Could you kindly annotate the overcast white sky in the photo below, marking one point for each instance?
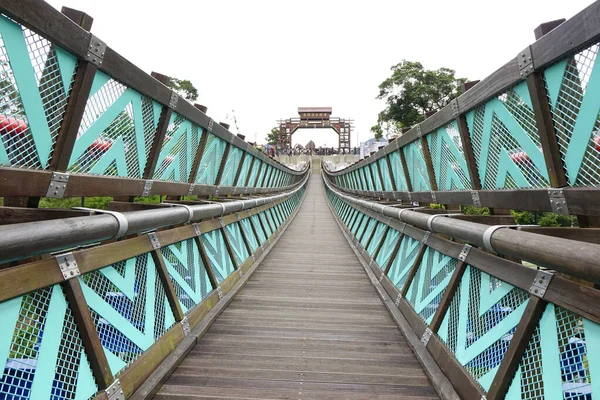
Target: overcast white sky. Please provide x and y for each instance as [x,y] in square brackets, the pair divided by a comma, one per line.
[264,59]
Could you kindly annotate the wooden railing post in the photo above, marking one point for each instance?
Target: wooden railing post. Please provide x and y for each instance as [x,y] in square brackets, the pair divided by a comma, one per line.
[239,169]
[467,146]
[225,157]
[207,264]
[405,169]
[200,149]
[428,163]
[88,333]
[229,247]
[167,285]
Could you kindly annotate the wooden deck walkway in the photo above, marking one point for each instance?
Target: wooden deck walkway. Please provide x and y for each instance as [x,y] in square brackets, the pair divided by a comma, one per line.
[308,325]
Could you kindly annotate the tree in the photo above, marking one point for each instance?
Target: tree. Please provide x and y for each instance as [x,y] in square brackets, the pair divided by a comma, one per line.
[184,88]
[411,91]
[273,136]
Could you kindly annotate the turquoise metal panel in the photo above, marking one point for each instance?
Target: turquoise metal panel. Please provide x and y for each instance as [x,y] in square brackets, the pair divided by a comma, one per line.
[388,246]
[403,261]
[188,273]
[178,150]
[211,160]
[385,173]
[367,231]
[252,240]
[266,224]
[375,171]
[398,171]
[237,242]
[217,253]
[417,168]
[448,158]
[377,238]
[231,166]
[245,171]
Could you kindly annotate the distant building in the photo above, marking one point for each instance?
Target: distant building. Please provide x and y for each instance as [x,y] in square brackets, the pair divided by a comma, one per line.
[310,145]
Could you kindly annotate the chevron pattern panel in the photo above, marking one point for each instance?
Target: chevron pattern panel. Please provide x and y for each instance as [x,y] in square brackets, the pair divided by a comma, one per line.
[572,86]
[429,284]
[448,158]
[211,160]
[359,223]
[237,242]
[254,173]
[41,349]
[506,142]
[266,223]
[188,273]
[366,234]
[252,240]
[480,322]
[178,150]
[217,254]
[376,179]
[417,168]
[562,359]
[368,177]
[398,171]
[231,166]
[129,308]
[404,260]
[262,237]
[116,132]
[385,174]
[387,248]
[36,78]
[377,237]
[245,171]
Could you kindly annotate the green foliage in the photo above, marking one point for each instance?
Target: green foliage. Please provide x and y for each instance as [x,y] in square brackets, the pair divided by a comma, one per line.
[543,219]
[184,88]
[377,131]
[412,90]
[472,210]
[9,94]
[273,136]
[70,202]
[435,206]
[154,199]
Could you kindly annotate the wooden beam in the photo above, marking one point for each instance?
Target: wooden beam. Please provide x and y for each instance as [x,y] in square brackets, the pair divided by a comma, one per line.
[249,172]
[239,169]
[428,163]
[88,333]
[413,270]
[453,285]
[405,169]
[229,248]
[207,264]
[165,279]
[467,147]
[224,161]
[516,348]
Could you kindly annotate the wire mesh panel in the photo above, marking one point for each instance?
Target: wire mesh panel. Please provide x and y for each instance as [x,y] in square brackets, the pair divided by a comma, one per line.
[368,178]
[269,217]
[387,247]
[266,224]
[35,77]
[429,284]
[253,181]
[375,172]
[188,273]
[252,240]
[572,85]
[129,307]
[42,350]
[237,242]
[403,261]
[262,237]
[448,158]
[365,234]
[355,221]
[398,171]
[245,171]
[116,130]
[385,174]
[360,225]
[417,168]
[231,166]
[480,322]
[561,359]
[267,181]
[506,142]
[377,238]
[211,160]
[178,150]
[217,254]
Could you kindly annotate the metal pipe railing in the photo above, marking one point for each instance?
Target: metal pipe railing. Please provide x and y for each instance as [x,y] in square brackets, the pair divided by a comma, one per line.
[571,257]
[32,238]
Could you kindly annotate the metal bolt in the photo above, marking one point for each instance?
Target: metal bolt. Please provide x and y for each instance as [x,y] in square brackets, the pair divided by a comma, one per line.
[535,291]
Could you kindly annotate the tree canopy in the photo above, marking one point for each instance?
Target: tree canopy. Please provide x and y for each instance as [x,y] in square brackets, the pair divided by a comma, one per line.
[273,136]
[411,91]
[184,88]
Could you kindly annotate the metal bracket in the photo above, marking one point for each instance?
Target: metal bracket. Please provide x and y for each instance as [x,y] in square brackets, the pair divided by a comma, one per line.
[419,133]
[188,208]
[197,229]
[475,197]
[240,272]
[381,277]
[211,123]
[58,185]
[558,201]
[185,324]
[154,240]
[487,235]
[147,188]
[426,336]
[455,110]
[121,220]
[173,100]
[68,265]
[191,189]
[96,50]
[540,283]
[398,298]
[433,197]
[525,61]
[220,292]
[464,253]
[425,237]
[114,391]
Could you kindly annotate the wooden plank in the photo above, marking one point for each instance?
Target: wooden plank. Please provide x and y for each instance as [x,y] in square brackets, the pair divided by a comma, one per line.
[453,285]
[167,285]
[17,215]
[207,264]
[467,146]
[224,160]
[516,348]
[157,141]
[88,334]
[239,169]
[428,163]
[413,270]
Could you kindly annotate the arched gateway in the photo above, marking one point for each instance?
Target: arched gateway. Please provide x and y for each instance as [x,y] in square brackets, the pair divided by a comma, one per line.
[315,117]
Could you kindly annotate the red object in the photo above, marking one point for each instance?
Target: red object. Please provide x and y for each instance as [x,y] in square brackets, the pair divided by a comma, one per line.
[520,157]
[169,159]
[597,142]
[101,145]
[12,126]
